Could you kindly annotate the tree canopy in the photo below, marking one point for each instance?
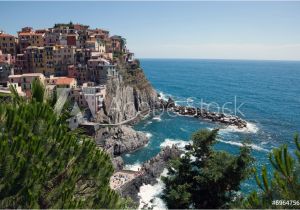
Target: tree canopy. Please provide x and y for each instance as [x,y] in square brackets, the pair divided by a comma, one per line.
[45,165]
[203,177]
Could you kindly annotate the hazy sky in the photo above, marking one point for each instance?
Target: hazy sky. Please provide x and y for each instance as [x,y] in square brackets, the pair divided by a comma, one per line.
[230,30]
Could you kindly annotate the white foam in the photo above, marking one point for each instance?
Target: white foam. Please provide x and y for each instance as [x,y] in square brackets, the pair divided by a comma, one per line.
[163,96]
[251,128]
[128,155]
[148,122]
[157,118]
[177,142]
[150,194]
[149,135]
[184,130]
[253,146]
[146,145]
[133,167]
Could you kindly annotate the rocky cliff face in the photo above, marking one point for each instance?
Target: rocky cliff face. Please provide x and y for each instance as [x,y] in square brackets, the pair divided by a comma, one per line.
[128,97]
[129,94]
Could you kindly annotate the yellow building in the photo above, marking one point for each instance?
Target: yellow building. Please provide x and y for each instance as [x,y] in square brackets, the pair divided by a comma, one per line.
[28,37]
[8,44]
[41,59]
[64,55]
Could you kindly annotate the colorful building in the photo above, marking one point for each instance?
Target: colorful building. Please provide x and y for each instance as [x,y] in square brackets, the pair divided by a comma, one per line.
[8,44]
[89,96]
[28,37]
[100,70]
[5,71]
[23,82]
[7,58]
[118,43]
[22,64]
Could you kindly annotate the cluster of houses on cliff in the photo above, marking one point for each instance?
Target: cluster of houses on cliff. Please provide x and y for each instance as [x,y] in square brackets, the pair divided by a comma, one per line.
[66,56]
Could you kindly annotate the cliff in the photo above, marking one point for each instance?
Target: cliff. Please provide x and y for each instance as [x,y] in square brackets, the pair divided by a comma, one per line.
[128,94]
[128,97]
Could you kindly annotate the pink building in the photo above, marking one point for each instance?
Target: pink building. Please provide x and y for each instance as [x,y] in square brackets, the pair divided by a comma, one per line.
[6,58]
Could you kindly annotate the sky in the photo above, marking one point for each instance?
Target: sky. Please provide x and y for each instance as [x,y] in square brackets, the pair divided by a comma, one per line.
[216,30]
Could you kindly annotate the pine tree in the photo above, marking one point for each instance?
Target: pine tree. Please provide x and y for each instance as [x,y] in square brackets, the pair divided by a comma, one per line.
[203,177]
[283,186]
[45,165]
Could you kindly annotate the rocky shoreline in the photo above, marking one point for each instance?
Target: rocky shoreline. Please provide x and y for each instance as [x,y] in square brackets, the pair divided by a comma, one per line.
[204,114]
[149,172]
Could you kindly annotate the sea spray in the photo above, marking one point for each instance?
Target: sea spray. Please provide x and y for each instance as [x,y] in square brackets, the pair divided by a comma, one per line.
[251,128]
[239,144]
[149,135]
[150,194]
[170,142]
[133,167]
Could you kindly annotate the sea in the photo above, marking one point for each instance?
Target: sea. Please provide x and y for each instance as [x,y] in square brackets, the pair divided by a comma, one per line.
[264,93]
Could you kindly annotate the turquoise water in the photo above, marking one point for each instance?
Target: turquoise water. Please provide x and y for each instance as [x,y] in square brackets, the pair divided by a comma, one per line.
[268,90]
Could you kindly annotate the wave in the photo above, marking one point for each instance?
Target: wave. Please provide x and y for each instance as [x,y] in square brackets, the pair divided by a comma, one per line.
[164,96]
[133,167]
[177,142]
[148,122]
[184,130]
[149,135]
[157,118]
[150,194]
[128,155]
[251,128]
[253,146]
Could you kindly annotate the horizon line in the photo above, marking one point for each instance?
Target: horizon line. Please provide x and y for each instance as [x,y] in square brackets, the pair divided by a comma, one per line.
[236,59]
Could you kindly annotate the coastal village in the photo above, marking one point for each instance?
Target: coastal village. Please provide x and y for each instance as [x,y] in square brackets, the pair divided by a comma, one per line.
[65,56]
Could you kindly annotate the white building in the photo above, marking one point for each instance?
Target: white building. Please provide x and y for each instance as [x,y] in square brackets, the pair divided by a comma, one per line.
[94,96]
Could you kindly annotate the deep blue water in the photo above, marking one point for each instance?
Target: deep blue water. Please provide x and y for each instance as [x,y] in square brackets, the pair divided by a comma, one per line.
[269,90]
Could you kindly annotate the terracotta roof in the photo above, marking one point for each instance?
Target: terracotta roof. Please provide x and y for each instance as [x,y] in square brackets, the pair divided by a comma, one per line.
[64,81]
[5,35]
[30,33]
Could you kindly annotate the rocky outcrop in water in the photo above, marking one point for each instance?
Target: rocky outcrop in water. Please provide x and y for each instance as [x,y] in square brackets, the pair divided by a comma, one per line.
[204,114]
[149,171]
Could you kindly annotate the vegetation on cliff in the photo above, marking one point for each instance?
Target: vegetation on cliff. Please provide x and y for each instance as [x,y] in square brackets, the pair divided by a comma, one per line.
[133,74]
[45,165]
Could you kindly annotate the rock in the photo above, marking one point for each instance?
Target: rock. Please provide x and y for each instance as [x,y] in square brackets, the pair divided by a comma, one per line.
[124,139]
[124,101]
[150,171]
[204,114]
[188,147]
[118,163]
